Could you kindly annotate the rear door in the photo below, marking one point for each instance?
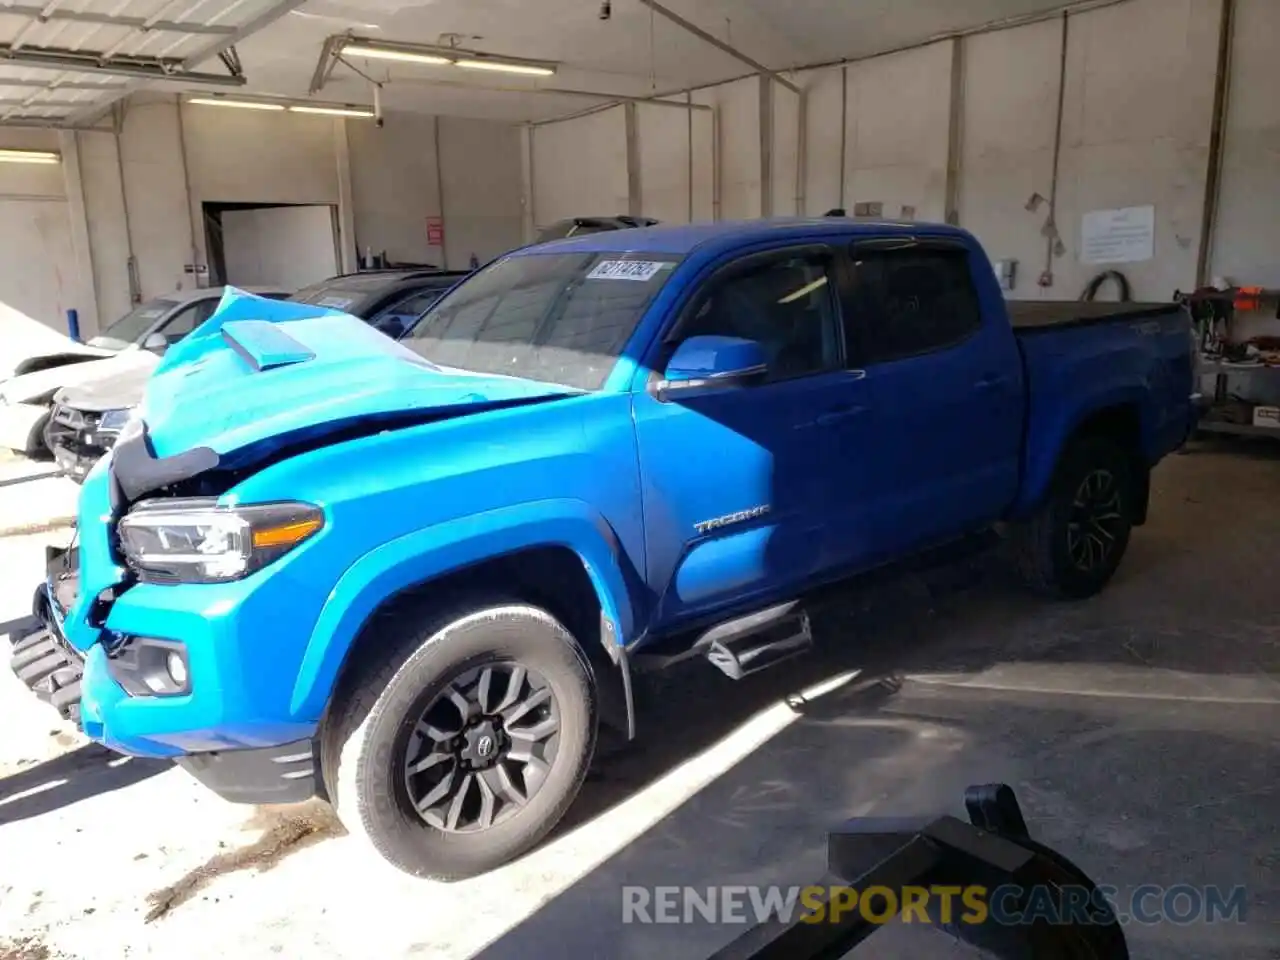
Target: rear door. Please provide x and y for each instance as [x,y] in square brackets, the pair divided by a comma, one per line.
[946,390]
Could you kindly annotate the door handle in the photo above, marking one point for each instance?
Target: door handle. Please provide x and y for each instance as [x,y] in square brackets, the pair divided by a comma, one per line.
[843,412]
[991,382]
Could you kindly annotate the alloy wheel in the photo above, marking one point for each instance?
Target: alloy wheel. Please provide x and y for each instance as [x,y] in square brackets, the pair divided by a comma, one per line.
[482,748]
[1095,522]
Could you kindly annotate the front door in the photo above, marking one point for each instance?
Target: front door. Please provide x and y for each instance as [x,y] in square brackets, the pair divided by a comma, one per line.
[735,482]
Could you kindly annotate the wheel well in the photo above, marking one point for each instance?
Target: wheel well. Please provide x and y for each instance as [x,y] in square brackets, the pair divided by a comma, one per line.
[551,577]
[1122,424]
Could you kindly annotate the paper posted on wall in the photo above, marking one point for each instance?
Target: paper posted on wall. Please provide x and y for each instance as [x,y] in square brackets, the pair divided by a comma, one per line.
[1126,235]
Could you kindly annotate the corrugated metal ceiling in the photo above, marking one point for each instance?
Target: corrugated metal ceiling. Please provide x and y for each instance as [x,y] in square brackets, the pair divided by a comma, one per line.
[109,32]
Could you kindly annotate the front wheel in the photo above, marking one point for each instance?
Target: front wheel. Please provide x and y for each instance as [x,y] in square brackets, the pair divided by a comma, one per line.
[1073,546]
[466,747]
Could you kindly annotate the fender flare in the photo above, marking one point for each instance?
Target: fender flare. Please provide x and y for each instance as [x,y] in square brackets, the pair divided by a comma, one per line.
[444,548]
[1043,466]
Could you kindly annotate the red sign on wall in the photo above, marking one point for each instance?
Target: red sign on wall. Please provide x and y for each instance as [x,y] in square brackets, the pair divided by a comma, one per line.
[435,231]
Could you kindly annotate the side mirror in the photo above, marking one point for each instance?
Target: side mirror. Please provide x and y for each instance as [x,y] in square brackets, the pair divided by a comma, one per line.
[156,343]
[709,364]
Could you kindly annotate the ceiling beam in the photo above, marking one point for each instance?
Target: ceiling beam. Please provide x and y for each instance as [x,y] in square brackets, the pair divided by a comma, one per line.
[67,85]
[145,68]
[611,99]
[719,44]
[98,110]
[133,23]
[328,60]
[247,29]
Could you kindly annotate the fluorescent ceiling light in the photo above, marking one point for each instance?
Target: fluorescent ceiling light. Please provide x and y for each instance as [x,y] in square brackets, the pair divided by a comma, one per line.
[28,156]
[502,66]
[334,111]
[388,53]
[243,104]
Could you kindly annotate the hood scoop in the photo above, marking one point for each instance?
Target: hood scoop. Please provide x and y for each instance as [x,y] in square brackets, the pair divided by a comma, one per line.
[263,345]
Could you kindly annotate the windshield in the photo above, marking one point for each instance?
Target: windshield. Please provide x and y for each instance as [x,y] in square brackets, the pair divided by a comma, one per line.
[130,328]
[557,318]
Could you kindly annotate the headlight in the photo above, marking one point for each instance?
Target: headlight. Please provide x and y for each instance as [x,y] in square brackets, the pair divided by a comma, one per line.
[196,541]
[115,419]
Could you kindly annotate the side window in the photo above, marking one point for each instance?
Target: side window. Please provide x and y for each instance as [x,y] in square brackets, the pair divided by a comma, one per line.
[397,318]
[787,305]
[909,302]
[187,320]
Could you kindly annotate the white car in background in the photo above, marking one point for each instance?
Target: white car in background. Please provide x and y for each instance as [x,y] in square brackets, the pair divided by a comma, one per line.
[36,362]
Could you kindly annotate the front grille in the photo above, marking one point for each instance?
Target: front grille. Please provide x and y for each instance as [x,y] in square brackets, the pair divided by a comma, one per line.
[69,427]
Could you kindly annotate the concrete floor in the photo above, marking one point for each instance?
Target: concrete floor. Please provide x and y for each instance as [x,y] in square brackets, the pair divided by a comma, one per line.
[1139,730]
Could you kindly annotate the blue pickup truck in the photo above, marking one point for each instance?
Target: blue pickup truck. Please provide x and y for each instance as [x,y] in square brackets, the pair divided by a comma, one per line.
[418,577]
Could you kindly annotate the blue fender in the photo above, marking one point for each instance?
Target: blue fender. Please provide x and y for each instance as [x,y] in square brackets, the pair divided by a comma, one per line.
[1047,439]
[448,547]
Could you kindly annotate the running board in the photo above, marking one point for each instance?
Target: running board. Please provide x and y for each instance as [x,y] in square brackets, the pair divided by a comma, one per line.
[749,644]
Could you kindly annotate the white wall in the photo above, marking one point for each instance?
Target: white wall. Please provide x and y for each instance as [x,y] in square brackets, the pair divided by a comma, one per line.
[1136,118]
[738,148]
[385,182]
[283,247]
[480,174]
[38,277]
[395,187]
[1247,239]
[580,168]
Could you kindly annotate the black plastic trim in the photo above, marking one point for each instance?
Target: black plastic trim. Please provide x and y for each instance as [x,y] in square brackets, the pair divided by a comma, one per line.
[285,774]
[136,471]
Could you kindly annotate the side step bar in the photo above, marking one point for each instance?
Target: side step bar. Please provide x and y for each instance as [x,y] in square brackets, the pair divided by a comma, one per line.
[749,644]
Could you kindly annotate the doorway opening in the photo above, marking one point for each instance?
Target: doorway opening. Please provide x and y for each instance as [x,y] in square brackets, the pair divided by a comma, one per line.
[282,245]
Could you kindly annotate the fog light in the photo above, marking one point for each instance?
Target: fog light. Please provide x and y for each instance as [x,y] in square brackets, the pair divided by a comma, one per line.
[177,668]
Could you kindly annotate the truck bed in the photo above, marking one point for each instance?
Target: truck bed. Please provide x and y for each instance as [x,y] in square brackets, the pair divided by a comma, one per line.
[1113,354]
[1029,316]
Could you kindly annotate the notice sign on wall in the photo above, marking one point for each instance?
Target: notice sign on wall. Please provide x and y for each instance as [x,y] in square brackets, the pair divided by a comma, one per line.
[435,231]
[1127,235]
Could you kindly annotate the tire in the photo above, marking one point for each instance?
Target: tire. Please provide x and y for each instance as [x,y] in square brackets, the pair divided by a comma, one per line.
[37,448]
[374,724]
[1043,546]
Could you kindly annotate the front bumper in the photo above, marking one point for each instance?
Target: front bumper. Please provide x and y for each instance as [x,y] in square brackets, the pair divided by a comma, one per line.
[232,726]
[41,657]
[19,423]
[77,440]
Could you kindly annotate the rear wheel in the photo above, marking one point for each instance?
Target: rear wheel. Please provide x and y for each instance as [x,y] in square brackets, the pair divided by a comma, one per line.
[466,748]
[1073,546]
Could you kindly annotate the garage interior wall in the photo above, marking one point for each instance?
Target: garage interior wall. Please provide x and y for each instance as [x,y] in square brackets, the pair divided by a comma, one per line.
[39,276]
[136,196]
[969,124]
[1137,88]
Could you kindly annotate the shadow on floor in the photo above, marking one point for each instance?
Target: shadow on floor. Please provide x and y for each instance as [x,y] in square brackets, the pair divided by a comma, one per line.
[1135,727]
[85,772]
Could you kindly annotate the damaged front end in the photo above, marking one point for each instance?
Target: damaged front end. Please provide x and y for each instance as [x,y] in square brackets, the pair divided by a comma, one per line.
[42,658]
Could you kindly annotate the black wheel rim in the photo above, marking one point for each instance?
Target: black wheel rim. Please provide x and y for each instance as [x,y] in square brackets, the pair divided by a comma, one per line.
[482,748]
[1096,521]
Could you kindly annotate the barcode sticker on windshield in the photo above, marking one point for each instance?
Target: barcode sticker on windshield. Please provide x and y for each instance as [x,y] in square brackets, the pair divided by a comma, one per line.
[626,270]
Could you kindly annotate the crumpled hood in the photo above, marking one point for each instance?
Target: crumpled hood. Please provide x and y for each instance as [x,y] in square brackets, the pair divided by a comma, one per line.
[118,391]
[30,386]
[260,374]
[24,338]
